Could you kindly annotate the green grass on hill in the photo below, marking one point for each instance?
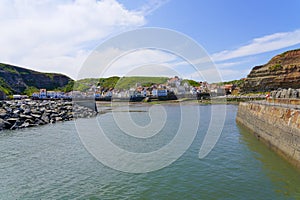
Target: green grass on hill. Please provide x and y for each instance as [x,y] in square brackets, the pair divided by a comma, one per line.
[128,82]
[115,82]
[4,87]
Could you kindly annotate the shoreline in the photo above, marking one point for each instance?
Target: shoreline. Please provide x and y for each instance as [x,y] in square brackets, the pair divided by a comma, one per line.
[18,114]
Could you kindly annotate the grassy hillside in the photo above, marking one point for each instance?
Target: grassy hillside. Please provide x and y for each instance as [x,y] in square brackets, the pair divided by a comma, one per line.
[18,80]
[117,82]
[128,82]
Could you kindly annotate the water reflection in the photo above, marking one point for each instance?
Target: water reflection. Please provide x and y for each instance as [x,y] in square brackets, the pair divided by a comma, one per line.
[284,176]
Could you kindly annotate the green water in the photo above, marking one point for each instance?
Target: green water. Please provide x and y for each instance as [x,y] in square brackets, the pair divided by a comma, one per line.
[49,162]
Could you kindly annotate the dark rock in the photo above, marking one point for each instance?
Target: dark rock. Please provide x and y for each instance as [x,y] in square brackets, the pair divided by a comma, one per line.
[24,125]
[52,116]
[294,94]
[3,113]
[48,111]
[12,120]
[27,111]
[283,93]
[22,114]
[8,109]
[2,124]
[278,94]
[35,111]
[26,116]
[36,116]
[273,94]
[39,122]
[58,119]
[45,118]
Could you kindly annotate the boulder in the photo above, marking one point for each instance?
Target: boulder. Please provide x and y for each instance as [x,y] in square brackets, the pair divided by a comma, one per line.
[278,94]
[36,116]
[45,118]
[294,94]
[2,124]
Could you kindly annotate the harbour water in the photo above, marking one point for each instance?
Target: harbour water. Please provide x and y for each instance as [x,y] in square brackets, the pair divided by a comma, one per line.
[50,162]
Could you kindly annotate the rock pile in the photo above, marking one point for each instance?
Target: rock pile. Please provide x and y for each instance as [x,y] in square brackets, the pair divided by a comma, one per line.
[285,93]
[28,113]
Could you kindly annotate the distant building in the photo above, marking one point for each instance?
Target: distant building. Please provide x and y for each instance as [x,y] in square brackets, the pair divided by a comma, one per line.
[35,95]
[174,82]
[228,88]
[162,93]
[43,93]
[51,94]
[17,97]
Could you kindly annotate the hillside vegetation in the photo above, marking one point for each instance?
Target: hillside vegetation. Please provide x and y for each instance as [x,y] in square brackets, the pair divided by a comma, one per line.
[18,80]
[117,82]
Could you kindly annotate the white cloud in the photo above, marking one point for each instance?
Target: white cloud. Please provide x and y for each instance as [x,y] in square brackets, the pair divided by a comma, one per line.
[54,35]
[140,62]
[261,45]
[152,5]
[229,64]
[218,75]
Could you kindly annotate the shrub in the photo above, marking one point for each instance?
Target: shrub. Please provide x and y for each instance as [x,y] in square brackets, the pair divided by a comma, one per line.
[275,67]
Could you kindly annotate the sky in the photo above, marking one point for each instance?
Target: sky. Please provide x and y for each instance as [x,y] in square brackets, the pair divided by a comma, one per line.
[61,35]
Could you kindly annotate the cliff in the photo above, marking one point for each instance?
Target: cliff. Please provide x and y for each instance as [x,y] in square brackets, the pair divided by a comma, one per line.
[16,79]
[282,71]
[277,126]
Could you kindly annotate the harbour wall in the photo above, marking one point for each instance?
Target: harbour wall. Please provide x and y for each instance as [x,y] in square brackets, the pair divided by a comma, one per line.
[276,123]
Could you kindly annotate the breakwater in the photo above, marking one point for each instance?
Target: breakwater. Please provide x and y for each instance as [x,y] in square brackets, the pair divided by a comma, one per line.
[276,123]
[18,114]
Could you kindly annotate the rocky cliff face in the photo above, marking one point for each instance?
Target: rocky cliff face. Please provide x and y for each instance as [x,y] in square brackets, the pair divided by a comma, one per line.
[282,71]
[17,79]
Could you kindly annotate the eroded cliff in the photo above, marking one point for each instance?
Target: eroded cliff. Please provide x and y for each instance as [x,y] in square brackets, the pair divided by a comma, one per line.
[282,71]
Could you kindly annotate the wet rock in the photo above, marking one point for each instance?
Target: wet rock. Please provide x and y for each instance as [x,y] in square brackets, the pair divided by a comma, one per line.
[58,119]
[8,109]
[36,116]
[53,115]
[3,113]
[45,118]
[24,125]
[2,124]
[39,122]
[36,111]
[27,111]
[26,116]
[12,120]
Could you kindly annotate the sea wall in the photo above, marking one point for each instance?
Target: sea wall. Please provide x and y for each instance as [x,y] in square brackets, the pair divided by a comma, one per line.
[278,126]
[17,114]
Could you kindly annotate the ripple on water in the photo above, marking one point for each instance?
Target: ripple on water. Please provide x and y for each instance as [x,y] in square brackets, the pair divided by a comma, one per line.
[49,162]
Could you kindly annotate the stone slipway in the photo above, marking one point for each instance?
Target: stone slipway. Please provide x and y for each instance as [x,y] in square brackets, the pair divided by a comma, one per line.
[276,123]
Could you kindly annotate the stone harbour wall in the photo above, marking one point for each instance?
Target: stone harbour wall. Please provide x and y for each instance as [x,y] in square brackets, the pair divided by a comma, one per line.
[277,126]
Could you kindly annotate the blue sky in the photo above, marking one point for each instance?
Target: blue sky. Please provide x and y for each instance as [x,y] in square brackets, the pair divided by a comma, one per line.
[58,36]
